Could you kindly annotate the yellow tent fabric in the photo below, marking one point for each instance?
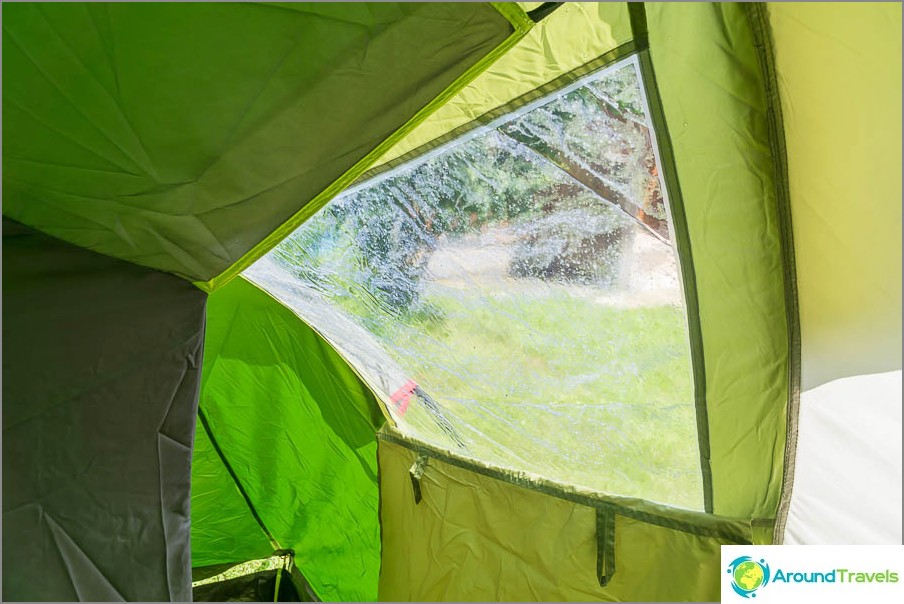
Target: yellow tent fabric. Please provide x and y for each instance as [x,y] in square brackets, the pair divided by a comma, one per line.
[839,75]
[575,34]
[476,537]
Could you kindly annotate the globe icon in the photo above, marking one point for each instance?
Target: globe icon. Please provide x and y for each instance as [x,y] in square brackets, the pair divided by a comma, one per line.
[748,575]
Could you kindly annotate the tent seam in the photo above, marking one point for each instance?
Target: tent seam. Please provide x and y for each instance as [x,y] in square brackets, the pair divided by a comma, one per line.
[734,530]
[601,62]
[765,50]
[216,446]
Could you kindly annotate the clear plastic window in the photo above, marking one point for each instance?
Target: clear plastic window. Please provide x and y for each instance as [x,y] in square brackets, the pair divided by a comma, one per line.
[514,295]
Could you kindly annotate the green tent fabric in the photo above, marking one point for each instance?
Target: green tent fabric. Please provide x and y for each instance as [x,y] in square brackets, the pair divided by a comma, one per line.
[181,136]
[163,412]
[101,370]
[728,213]
[724,177]
[579,549]
[223,529]
[557,50]
[297,429]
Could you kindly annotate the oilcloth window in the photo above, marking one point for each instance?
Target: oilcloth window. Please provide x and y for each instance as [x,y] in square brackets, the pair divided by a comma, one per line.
[514,295]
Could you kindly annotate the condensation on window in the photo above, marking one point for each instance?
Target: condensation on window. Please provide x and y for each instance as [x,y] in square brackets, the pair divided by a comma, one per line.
[513,296]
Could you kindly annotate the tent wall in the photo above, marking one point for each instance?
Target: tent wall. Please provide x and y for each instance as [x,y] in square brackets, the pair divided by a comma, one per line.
[847,472]
[191,138]
[704,74]
[101,369]
[713,94]
[476,535]
[296,427]
[183,138]
[224,528]
[839,74]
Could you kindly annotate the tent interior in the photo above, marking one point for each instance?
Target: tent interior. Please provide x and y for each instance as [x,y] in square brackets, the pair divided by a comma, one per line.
[445,301]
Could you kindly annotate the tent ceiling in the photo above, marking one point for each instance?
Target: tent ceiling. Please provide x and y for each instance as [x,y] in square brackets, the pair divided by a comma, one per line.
[575,34]
[179,136]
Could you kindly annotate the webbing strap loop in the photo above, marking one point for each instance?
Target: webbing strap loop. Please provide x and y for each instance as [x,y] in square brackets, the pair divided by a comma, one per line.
[416,472]
[605,545]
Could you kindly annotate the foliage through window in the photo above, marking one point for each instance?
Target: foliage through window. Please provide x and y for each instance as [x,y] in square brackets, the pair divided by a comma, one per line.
[513,295]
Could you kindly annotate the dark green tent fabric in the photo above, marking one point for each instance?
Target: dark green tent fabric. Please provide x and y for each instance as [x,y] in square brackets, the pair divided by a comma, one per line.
[179,136]
[101,369]
[297,428]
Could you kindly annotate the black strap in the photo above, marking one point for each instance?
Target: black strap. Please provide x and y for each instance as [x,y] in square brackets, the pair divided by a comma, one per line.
[543,11]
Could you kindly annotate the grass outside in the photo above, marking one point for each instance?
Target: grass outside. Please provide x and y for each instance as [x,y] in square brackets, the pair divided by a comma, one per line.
[562,386]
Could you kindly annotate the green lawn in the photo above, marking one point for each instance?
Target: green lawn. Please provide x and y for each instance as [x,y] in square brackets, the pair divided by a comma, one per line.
[561,386]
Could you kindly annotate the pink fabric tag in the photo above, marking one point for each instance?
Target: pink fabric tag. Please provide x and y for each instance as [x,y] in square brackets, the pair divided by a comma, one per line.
[402,396]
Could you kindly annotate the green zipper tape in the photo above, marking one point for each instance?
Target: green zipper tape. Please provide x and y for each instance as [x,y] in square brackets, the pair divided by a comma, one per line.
[638,17]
